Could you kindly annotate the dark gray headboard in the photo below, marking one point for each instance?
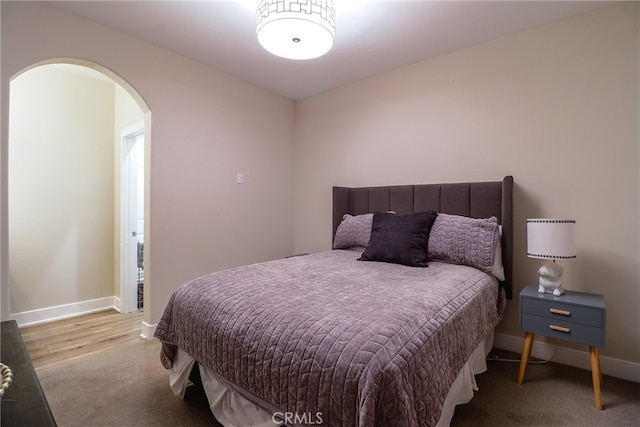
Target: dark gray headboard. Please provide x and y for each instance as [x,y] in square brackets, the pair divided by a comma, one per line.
[473,199]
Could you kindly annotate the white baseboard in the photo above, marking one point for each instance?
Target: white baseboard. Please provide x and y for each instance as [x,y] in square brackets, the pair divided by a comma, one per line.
[148,331]
[65,311]
[567,356]
[117,303]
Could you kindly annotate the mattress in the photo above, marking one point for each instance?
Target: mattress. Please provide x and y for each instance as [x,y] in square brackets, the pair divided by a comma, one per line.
[232,408]
[353,342]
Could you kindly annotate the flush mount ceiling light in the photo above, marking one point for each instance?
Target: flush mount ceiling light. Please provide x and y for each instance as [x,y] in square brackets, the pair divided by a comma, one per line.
[296,29]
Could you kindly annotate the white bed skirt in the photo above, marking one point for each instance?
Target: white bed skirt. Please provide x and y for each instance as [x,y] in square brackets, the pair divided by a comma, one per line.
[233,409]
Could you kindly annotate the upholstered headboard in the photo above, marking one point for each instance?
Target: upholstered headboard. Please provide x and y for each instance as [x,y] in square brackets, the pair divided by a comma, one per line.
[473,199]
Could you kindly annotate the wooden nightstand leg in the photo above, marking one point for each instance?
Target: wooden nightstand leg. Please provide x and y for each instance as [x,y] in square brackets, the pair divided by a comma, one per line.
[596,375]
[526,353]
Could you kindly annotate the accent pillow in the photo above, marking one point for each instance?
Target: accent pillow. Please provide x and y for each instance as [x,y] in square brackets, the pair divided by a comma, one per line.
[400,239]
[353,231]
[464,240]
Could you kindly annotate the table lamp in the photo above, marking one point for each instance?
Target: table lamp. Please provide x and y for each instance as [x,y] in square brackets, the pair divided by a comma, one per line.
[551,239]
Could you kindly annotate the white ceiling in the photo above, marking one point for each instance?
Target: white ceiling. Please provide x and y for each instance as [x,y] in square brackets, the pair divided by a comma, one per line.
[372,36]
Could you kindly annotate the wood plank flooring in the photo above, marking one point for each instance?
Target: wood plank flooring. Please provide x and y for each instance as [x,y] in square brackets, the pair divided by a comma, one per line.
[59,342]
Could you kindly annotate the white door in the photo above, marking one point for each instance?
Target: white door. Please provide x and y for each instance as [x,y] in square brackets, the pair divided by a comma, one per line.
[132,224]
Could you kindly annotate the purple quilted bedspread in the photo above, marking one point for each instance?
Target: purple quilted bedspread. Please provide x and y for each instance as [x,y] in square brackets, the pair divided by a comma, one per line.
[362,343]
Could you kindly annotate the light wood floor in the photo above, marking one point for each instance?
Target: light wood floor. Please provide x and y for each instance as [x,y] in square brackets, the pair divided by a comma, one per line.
[56,343]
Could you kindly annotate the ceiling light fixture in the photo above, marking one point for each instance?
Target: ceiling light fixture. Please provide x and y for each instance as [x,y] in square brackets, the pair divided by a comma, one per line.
[296,29]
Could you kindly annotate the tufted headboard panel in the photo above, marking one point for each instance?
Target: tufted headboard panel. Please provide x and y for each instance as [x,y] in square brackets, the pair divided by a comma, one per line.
[473,199]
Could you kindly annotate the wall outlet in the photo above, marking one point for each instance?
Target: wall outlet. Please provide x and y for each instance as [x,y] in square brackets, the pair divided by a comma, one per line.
[240,178]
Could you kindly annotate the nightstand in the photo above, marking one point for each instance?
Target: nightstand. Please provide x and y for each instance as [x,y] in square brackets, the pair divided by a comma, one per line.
[575,316]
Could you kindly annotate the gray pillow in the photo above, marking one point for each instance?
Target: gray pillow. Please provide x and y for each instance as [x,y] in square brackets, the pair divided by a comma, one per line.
[353,231]
[464,240]
[400,239]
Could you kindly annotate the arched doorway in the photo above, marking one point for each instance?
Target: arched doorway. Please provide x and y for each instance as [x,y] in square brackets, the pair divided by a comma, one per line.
[65,188]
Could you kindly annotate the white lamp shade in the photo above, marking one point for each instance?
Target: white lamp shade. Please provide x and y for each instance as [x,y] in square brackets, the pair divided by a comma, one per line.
[551,238]
[302,29]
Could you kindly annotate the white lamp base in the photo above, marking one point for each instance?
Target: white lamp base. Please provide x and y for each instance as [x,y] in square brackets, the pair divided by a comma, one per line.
[550,281]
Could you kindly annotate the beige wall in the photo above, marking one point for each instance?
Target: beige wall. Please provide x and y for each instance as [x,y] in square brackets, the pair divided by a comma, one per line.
[60,189]
[205,127]
[556,107]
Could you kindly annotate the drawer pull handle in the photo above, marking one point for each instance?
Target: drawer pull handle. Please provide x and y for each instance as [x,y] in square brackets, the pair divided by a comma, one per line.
[560,329]
[561,312]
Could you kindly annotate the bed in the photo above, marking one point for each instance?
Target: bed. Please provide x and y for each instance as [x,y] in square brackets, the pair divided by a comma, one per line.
[387,328]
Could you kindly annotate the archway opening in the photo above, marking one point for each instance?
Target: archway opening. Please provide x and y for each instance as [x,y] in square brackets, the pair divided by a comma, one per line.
[66,118]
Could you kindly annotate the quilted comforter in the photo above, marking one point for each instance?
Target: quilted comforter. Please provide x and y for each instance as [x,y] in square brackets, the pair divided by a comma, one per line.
[361,343]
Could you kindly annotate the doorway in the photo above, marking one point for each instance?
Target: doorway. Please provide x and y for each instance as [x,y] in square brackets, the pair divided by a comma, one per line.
[64,221]
[132,239]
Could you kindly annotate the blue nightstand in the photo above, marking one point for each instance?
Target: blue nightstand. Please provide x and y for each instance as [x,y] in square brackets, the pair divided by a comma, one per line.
[575,316]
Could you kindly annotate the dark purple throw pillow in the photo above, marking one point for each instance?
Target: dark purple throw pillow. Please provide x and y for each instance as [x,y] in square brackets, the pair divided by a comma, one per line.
[400,239]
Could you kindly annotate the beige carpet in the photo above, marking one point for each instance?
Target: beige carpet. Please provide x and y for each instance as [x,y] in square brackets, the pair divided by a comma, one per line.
[126,387]
[551,395]
[129,387]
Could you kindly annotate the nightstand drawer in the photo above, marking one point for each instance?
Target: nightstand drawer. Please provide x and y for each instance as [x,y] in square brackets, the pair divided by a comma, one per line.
[564,330]
[559,311]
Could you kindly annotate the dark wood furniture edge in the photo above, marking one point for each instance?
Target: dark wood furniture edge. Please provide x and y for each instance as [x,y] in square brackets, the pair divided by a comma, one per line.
[24,402]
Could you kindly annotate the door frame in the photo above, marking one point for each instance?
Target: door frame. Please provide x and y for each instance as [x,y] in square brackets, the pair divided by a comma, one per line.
[128,218]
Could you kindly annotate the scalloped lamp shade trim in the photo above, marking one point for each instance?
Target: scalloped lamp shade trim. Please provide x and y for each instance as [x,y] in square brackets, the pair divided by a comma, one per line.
[549,238]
